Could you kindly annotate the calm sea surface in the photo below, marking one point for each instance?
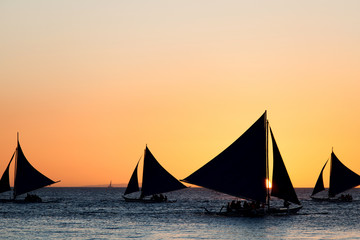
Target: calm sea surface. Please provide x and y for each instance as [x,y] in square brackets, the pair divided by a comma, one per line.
[100,213]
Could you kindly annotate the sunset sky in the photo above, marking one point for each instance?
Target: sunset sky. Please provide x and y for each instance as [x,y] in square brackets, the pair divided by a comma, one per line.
[89,83]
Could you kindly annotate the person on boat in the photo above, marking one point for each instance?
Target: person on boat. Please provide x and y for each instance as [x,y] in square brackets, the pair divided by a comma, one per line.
[154,197]
[228,207]
[246,205]
[346,198]
[286,204]
[32,198]
[238,205]
[232,204]
[159,198]
[253,205]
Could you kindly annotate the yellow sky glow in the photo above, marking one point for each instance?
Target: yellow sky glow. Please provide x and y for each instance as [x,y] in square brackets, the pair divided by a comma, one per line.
[88,84]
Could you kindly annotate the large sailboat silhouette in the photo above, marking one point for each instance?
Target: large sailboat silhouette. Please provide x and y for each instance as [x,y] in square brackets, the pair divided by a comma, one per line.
[26,179]
[242,170]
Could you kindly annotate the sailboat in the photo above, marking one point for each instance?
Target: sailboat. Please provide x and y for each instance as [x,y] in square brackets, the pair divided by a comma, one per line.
[242,171]
[156,180]
[341,179]
[27,178]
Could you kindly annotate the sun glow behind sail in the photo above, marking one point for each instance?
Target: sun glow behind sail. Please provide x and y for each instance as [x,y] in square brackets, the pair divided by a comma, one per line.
[268,183]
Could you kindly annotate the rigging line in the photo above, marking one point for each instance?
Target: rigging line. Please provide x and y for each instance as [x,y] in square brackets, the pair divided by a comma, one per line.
[331,166]
[267,184]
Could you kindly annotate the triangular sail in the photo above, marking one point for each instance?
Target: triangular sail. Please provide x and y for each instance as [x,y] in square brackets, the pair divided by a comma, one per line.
[133,185]
[156,179]
[281,183]
[239,170]
[341,177]
[5,179]
[319,186]
[27,178]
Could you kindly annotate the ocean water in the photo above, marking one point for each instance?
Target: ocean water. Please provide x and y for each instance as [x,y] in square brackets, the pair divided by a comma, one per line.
[100,213]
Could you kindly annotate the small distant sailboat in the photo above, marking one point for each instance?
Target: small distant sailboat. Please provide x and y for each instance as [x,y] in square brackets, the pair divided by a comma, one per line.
[27,178]
[242,170]
[341,179]
[156,180]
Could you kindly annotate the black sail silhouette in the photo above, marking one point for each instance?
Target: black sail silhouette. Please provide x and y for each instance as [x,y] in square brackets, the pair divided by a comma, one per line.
[281,183]
[27,178]
[133,185]
[5,179]
[341,177]
[240,170]
[319,186]
[155,178]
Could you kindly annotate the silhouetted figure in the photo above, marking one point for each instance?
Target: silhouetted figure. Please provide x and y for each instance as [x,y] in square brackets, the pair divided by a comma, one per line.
[346,198]
[228,208]
[32,198]
[232,204]
[153,197]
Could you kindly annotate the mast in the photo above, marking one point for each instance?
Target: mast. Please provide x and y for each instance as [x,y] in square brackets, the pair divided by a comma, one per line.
[267,161]
[16,162]
[142,181]
[331,166]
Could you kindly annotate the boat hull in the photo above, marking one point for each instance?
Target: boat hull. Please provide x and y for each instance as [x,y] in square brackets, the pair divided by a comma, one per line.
[147,200]
[284,210]
[244,213]
[330,199]
[22,201]
[256,212]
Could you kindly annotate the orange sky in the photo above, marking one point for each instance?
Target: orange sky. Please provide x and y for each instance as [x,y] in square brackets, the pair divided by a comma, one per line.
[89,83]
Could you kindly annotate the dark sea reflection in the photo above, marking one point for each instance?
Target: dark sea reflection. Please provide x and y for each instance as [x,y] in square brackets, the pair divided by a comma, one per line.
[100,213]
